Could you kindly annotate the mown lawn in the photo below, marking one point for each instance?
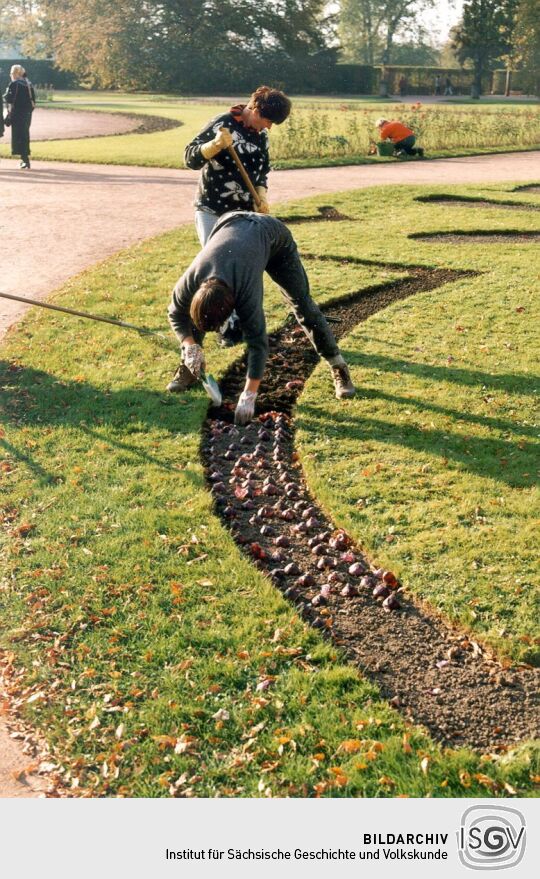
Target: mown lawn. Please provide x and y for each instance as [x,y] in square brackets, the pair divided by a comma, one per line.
[154,658]
[319,131]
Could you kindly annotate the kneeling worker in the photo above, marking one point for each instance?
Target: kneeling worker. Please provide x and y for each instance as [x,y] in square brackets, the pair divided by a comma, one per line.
[227,274]
[402,137]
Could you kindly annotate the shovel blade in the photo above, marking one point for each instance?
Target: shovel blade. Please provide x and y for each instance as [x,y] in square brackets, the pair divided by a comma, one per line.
[212,389]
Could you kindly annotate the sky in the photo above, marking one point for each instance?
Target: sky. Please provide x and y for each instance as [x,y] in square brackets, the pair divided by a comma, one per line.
[442,17]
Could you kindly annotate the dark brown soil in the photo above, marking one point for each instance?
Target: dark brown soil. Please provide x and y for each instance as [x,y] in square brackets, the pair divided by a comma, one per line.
[529,187]
[142,125]
[470,202]
[435,675]
[476,237]
[326,212]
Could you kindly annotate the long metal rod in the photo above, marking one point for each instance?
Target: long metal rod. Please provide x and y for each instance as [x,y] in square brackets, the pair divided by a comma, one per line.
[98,317]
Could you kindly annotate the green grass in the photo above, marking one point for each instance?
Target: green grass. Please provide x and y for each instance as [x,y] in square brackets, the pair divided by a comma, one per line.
[319,132]
[140,631]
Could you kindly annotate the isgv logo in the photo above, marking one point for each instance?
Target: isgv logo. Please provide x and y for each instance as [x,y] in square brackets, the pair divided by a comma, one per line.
[491,837]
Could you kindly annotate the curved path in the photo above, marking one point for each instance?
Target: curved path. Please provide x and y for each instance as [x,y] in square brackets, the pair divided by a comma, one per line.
[50,124]
[61,218]
[64,217]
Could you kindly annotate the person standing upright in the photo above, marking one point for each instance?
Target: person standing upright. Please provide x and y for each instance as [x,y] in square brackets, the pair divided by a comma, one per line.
[20,99]
[221,187]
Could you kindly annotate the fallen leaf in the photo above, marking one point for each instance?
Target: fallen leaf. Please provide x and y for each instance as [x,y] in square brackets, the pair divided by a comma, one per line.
[350,746]
[424,765]
[386,781]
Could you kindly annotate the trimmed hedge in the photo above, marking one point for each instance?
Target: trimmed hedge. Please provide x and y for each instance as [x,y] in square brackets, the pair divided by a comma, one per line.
[421,80]
[40,72]
[520,81]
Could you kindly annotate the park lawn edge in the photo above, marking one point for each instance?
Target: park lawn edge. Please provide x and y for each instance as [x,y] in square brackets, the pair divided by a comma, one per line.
[357,722]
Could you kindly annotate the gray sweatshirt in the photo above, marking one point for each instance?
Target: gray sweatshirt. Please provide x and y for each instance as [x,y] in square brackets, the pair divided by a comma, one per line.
[237,252]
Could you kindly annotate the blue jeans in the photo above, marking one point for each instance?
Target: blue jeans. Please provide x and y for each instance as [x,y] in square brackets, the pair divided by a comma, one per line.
[407,145]
[204,223]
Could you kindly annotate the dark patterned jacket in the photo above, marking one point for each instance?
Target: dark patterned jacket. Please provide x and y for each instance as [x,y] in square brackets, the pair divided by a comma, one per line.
[221,188]
[21,96]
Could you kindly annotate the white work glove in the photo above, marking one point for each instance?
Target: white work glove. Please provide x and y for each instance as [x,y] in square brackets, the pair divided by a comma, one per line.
[263,207]
[194,359]
[245,408]
[222,140]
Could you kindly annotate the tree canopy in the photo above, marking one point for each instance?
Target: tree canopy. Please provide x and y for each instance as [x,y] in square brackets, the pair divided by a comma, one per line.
[173,44]
[368,28]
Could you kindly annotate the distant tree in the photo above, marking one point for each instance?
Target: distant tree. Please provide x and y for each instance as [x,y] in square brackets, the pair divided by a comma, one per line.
[416,54]
[510,54]
[368,28]
[177,43]
[480,37]
[22,23]
[527,42]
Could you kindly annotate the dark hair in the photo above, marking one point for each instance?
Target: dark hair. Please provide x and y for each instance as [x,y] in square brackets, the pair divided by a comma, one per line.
[211,305]
[271,104]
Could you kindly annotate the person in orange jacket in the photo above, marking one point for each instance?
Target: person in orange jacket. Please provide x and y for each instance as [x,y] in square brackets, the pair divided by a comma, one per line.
[402,137]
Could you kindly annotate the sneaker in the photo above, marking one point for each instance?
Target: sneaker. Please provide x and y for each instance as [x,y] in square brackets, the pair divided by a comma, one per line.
[420,152]
[343,382]
[399,154]
[182,380]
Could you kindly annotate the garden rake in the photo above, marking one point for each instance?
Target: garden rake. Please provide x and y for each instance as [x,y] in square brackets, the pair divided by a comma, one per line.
[208,381]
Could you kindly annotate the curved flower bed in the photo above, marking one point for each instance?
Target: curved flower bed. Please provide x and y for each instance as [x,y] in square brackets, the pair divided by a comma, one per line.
[435,674]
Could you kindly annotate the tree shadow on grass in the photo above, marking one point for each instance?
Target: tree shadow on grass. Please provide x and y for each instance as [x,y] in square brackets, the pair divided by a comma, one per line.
[511,461]
[488,457]
[35,398]
[507,382]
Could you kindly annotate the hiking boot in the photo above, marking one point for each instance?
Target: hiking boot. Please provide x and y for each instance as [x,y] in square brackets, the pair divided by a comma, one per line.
[182,380]
[343,382]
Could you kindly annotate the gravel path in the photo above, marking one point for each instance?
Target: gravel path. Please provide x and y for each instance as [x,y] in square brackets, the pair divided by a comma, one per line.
[65,217]
[62,218]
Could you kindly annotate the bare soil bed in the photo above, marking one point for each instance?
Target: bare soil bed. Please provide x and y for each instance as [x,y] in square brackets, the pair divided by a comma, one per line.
[436,675]
[477,237]
[529,187]
[469,202]
[51,124]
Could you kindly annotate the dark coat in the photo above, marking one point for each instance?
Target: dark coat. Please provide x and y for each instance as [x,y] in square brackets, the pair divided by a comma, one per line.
[1,115]
[21,97]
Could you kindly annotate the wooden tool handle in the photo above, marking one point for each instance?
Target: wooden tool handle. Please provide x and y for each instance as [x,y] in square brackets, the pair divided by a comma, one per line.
[245,176]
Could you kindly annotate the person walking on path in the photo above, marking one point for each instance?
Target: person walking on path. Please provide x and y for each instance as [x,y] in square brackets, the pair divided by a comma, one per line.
[221,187]
[437,85]
[20,100]
[228,274]
[448,89]
[2,129]
[402,137]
